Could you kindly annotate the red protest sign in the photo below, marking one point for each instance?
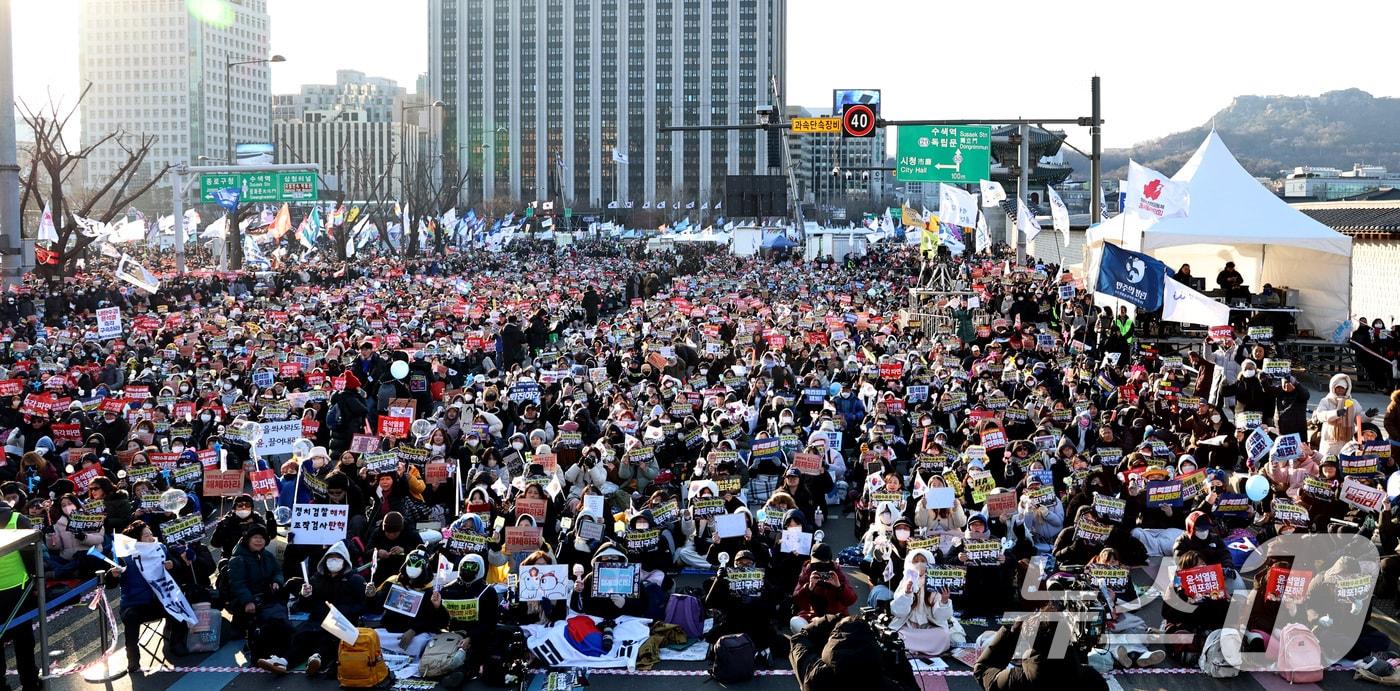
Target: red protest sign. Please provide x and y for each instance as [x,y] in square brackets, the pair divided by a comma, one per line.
[183,410]
[1222,333]
[890,371]
[549,461]
[11,387]
[73,433]
[1287,584]
[309,428]
[113,405]
[264,484]
[1202,581]
[435,473]
[209,458]
[807,463]
[390,426]
[338,383]
[315,380]
[288,370]
[223,483]
[83,478]
[532,507]
[522,539]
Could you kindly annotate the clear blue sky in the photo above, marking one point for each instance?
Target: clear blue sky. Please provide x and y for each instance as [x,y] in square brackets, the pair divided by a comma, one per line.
[1166,66]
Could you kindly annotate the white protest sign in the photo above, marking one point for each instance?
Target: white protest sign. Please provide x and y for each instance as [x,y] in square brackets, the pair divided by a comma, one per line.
[939,498]
[109,323]
[794,540]
[593,505]
[319,524]
[731,525]
[277,437]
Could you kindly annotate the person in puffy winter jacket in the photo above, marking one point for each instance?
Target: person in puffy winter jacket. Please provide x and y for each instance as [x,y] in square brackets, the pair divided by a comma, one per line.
[837,653]
[923,616]
[334,584]
[822,588]
[257,600]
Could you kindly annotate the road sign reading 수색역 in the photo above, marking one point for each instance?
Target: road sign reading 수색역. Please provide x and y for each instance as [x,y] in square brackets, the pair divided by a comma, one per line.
[261,186]
[943,153]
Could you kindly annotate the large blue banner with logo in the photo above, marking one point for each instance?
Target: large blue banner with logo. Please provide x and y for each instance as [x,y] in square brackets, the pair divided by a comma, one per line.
[1132,277]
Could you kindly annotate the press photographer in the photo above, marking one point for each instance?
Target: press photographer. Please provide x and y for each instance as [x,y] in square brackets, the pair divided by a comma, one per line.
[835,652]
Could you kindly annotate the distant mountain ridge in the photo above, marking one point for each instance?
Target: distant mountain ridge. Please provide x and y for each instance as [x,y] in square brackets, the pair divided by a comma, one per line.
[1272,133]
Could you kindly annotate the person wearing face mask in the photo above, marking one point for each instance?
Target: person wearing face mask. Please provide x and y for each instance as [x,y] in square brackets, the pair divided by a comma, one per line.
[231,528]
[1201,537]
[139,603]
[988,584]
[924,616]
[67,546]
[413,632]
[349,410]
[1253,394]
[885,547]
[470,584]
[334,583]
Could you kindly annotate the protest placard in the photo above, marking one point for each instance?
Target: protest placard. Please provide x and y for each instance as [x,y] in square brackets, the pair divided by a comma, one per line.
[807,463]
[953,578]
[403,601]
[264,484]
[1202,581]
[525,506]
[1090,530]
[544,582]
[707,508]
[1164,493]
[318,524]
[617,580]
[982,552]
[521,538]
[1362,496]
[793,540]
[1285,584]
[1108,508]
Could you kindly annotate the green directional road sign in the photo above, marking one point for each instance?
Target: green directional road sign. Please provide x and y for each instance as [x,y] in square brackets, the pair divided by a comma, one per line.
[261,187]
[943,153]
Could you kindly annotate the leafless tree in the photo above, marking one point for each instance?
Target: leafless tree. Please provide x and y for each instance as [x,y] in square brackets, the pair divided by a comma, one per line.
[48,180]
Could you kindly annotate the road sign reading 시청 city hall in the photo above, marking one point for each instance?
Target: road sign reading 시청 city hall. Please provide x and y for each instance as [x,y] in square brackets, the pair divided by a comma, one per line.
[943,153]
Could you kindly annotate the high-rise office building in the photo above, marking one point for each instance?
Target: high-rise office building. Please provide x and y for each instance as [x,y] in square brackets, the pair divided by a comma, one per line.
[157,68]
[540,93]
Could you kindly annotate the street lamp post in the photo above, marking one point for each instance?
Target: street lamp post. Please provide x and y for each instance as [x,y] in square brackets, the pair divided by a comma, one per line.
[229,64]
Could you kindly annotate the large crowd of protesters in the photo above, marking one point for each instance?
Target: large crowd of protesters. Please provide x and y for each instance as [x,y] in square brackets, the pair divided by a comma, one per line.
[685,415]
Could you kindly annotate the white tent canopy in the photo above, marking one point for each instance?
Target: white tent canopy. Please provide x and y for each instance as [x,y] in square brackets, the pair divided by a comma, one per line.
[1234,218]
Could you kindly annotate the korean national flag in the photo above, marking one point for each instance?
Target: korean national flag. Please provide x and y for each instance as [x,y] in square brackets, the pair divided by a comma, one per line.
[1132,277]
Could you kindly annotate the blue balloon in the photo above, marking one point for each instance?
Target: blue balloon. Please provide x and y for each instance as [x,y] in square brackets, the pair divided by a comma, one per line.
[1257,488]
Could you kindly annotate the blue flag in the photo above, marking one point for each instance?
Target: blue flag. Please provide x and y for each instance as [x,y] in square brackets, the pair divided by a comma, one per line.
[228,198]
[1132,277]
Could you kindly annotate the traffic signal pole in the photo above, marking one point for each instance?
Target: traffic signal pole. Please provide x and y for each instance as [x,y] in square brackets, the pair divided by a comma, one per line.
[1094,122]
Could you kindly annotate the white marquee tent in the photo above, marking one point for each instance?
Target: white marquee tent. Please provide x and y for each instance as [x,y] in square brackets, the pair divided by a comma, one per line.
[1232,217]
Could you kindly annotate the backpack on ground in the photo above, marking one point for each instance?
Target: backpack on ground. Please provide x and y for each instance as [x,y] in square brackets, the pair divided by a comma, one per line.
[1220,656]
[1299,655]
[684,611]
[361,666]
[440,655]
[732,659]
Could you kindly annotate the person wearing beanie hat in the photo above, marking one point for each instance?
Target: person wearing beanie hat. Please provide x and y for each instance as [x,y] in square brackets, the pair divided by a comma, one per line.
[988,581]
[230,529]
[822,589]
[257,600]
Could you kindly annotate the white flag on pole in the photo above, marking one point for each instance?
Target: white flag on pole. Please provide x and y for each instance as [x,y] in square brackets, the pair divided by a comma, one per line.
[339,625]
[992,193]
[984,235]
[618,156]
[612,205]
[47,232]
[1059,214]
[1155,196]
[956,207]
[1182,304]
[1025,221]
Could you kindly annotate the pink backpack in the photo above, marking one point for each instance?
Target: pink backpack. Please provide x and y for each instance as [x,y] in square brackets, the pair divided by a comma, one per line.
[1298,656]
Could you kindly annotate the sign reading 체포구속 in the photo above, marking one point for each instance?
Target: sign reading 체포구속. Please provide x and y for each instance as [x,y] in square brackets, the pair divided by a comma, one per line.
[943,153]
[278,186]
